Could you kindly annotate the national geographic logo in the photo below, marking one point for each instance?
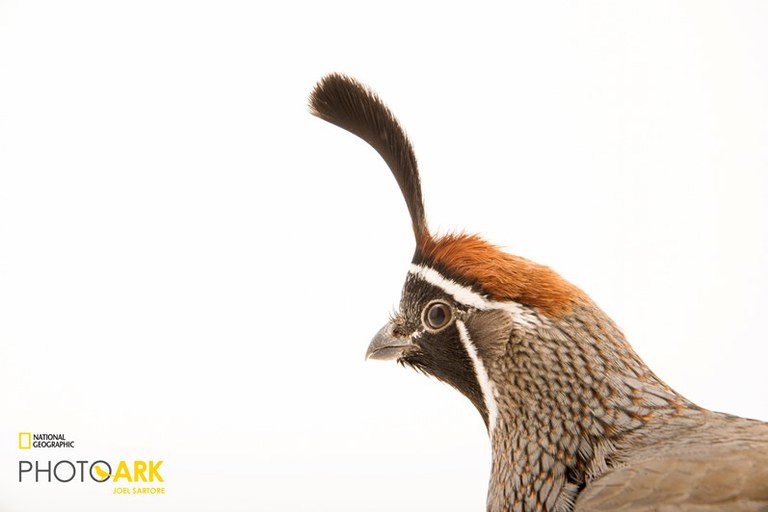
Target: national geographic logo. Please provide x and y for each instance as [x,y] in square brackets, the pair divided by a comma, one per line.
[28,440]
[141,472]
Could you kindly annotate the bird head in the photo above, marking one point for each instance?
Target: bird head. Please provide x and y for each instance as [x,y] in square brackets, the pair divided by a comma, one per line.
[462,303]
[499,328]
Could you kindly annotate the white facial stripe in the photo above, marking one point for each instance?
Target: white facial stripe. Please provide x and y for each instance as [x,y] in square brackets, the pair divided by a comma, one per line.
[486,386]
[468,297]
[459,292]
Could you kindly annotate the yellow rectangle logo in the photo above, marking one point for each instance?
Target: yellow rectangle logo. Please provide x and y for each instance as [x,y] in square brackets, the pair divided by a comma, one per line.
[25,440]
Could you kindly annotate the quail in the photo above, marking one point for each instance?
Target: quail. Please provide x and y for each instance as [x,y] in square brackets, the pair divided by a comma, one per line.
[576,420]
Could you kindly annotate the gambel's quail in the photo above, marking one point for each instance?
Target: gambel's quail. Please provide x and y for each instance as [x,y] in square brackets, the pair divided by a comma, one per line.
[576,420]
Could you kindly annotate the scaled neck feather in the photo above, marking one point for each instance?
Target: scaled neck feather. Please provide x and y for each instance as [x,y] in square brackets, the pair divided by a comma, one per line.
[570,392]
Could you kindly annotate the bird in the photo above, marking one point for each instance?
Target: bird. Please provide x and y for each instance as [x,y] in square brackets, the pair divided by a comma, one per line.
[102,474]
[575,419]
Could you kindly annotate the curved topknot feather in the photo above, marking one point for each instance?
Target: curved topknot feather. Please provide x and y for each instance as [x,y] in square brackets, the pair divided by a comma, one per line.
[347,103]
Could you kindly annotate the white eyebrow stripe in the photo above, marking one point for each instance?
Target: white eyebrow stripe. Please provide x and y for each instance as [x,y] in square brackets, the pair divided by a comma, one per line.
[486,386]
[459,292]
[468,297]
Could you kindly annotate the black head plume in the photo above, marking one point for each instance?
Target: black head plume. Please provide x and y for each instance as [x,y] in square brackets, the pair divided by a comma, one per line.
[347,103]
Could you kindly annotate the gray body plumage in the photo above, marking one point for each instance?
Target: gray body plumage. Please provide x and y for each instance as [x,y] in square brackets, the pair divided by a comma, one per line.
[585,425]
[708,462]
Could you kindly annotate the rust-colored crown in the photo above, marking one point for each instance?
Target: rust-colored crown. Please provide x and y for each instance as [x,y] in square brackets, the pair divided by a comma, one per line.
[473,261]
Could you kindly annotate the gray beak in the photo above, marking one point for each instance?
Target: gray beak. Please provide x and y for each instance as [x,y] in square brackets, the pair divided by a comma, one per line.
[386,346]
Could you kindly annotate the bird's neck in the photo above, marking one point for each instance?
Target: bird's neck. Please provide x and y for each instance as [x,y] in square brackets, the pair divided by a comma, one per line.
[573,391]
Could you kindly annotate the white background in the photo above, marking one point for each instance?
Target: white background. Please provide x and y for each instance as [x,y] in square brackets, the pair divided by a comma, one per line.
[191,266]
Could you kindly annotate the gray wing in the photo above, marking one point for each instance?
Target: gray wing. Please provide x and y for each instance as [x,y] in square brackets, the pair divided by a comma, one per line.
[692,475]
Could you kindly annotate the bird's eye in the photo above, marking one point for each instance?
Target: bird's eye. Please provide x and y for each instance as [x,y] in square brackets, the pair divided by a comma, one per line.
[437,315]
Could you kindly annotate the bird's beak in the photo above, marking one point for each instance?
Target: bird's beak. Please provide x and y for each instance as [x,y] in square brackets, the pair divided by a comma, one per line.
[386,345]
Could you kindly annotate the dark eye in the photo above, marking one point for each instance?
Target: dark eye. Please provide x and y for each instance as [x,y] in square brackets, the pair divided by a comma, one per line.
[437,315]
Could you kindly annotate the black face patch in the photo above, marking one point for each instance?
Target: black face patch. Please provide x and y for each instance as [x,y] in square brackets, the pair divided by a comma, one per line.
[440,354]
